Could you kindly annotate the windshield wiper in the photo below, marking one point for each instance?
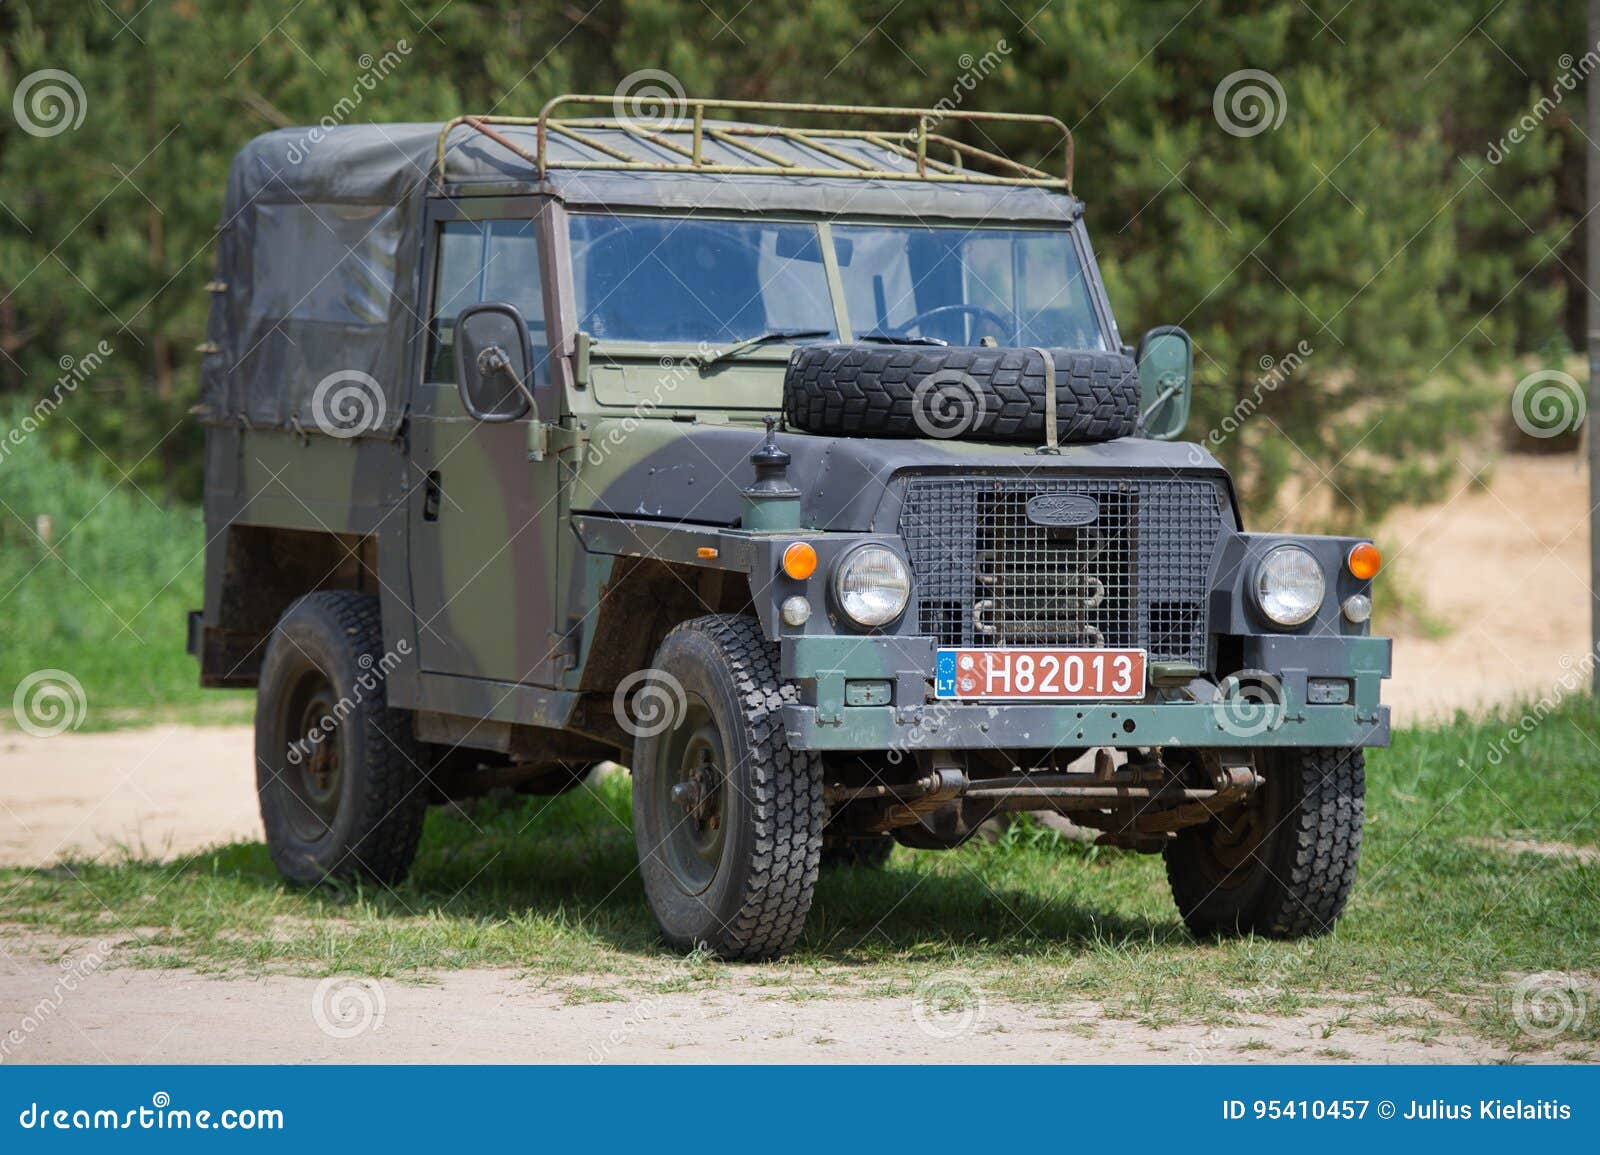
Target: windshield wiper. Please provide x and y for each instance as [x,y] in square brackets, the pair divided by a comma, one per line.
[881,338]
[770,337]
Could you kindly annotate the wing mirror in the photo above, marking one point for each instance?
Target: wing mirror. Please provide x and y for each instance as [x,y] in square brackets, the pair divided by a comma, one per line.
[1166,366]
[494,363]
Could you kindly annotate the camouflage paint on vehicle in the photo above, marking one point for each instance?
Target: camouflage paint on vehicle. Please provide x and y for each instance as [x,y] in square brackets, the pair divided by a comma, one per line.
[528,588]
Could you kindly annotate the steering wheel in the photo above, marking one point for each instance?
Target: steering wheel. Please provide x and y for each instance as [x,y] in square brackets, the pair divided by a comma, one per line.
[1007,326]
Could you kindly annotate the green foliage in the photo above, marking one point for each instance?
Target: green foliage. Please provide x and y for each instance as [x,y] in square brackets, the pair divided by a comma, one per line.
[1376,223]
[96,577]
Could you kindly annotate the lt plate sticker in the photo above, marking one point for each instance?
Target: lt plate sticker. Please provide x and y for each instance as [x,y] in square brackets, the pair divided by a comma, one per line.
[1054,675]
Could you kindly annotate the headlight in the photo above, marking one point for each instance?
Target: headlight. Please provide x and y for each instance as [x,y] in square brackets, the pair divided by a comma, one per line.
[872,585]
[1289,585]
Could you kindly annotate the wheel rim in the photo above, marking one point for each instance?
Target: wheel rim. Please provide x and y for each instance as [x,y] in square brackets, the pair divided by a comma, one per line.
[690,797]
[313,768]
[1233,848]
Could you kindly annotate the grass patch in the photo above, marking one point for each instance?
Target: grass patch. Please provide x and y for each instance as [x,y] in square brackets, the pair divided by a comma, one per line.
[95,580]
[1440,928]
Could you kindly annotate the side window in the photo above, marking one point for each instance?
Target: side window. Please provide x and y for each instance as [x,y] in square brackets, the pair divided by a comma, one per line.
[486,261]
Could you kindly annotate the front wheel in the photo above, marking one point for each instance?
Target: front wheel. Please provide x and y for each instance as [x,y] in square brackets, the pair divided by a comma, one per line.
[728,819]
[1281,865]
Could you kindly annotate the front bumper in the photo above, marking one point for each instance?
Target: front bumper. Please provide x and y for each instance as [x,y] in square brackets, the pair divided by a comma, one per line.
[823,721]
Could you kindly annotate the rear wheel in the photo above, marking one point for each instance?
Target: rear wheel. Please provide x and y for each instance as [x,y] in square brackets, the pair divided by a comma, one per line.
[338,772]
[727,818]
[1281,865]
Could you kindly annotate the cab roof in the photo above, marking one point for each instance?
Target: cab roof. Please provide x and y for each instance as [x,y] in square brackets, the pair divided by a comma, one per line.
[683,161]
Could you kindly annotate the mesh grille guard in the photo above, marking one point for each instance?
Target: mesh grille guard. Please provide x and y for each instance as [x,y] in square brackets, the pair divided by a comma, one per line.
[1125,562]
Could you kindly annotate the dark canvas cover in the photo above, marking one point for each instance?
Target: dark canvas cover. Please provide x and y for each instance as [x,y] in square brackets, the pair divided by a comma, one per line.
[319,244]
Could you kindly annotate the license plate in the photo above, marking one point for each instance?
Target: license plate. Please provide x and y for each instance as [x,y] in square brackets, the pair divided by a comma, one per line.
[1054,675]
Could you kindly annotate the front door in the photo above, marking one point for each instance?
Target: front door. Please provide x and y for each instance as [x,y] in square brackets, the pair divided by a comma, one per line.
[483,517]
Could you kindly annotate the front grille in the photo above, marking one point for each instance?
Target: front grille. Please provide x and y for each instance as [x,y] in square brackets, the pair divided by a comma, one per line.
[1134,574]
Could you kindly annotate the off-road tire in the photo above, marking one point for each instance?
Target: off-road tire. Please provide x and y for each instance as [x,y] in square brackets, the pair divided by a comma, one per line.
[861,853]
[755,904]
[381,796]
[976,393]
[1295,881]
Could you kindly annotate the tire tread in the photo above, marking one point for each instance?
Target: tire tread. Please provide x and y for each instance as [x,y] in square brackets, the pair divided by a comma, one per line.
[393,800]
[785,798]
[871,391]
[1311,855]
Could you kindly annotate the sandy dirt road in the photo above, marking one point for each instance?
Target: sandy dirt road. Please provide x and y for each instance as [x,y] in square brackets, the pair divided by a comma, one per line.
[143,1016]
[1506,568]
[159,791]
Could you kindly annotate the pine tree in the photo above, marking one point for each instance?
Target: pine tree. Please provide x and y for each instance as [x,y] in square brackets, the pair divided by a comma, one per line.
[1332,266]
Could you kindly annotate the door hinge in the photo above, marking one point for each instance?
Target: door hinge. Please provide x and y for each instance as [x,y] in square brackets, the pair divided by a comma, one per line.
[566,647]
[544,440]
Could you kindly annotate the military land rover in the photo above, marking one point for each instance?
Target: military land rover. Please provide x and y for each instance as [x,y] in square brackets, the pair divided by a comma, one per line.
[795,461]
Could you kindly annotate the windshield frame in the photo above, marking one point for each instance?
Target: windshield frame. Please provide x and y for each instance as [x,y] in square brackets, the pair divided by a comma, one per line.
[779,352]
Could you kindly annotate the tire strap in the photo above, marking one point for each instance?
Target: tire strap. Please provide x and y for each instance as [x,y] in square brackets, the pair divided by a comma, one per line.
[1051,436]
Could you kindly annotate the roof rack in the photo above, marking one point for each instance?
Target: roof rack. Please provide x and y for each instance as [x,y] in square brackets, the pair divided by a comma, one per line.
[685,132]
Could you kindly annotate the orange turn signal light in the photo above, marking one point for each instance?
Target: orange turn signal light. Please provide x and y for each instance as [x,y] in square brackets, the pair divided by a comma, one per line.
[800,560]
[1364,561]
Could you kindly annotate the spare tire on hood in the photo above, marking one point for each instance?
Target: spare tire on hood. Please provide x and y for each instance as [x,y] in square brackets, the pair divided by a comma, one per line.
[979,393]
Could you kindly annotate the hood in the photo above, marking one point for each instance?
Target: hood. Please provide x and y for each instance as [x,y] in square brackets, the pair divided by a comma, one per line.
[693,471]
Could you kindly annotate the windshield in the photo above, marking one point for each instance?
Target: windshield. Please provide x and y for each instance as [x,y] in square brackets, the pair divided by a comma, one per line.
[691,280]
[687,280]
[1022,287]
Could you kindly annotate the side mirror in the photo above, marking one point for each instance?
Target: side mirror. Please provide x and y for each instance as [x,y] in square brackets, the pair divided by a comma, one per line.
[1166,367]
[494,361]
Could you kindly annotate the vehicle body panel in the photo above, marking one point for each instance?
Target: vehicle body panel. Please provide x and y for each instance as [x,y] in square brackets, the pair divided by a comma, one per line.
[528,566]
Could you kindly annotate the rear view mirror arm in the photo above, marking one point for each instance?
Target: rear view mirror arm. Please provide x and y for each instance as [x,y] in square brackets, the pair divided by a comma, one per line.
[493,360]
[1162,398]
